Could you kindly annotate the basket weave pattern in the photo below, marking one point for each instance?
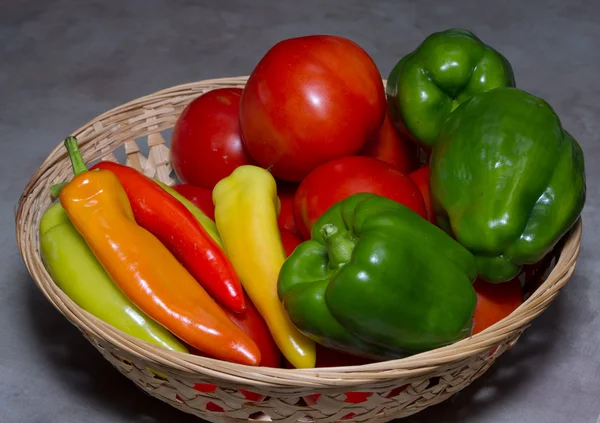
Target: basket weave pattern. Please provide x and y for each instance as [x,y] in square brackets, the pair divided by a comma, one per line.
[225,392]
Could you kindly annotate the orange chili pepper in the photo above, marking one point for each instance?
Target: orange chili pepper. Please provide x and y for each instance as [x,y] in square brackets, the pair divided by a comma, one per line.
[144,269]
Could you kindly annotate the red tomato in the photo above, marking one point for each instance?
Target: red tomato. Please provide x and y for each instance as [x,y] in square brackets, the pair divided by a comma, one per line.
[421,178]
[391,147]
[289,240]
[286,192]
[310,100]
[495,302]
[200,196]
[254,325]
[338,179]
[206,145]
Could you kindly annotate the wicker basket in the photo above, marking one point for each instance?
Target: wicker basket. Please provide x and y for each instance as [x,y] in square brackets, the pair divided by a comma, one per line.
[218,391]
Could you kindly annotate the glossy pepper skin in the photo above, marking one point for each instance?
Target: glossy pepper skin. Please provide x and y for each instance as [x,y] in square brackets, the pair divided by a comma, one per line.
[507,181]
[252,323]
[445,70]
[144,269]
[76,271]
[246,209]
[167,218]
[206,219]
[378,280]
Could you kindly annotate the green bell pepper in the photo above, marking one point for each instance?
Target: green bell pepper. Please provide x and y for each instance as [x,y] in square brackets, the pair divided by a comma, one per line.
[76,271]
[506,180]
[378,280]
[445,70]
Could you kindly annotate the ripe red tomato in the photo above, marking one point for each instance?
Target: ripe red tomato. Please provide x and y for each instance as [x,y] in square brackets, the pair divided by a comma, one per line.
[290,241]
[495,302]
[200,196]
[421,178]
[285,220]
[310,100]
[392,147]
[206,145]
[338,179]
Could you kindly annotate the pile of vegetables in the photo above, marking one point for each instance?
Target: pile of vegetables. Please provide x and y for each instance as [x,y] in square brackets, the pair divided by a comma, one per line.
[321,218]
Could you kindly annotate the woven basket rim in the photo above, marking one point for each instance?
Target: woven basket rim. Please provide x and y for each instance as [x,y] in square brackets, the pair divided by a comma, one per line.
[234,373]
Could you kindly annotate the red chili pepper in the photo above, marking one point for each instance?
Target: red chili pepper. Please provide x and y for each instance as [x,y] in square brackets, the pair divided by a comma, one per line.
[252,323]
[176,227]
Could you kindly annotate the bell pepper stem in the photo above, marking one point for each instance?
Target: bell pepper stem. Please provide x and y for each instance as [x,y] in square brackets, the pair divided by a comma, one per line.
[339,246]
[77,163]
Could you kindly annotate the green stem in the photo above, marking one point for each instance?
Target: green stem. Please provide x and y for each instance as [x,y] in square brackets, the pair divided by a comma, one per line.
[76,162]
[339,245]
[75,156]
[56,189]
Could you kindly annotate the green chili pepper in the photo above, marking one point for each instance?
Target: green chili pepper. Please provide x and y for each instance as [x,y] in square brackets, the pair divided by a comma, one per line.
[82,278]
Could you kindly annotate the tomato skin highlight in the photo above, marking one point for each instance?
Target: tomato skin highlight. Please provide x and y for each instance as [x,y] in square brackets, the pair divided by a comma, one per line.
[310,100]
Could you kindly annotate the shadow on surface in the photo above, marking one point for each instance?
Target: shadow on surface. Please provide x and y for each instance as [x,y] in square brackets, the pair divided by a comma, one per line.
[85,374]
[508,376]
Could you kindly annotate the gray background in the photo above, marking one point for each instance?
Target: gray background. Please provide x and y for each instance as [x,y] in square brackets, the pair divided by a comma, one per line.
[64,62]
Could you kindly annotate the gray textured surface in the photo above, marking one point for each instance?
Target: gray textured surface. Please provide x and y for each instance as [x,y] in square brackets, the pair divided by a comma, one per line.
[64,62]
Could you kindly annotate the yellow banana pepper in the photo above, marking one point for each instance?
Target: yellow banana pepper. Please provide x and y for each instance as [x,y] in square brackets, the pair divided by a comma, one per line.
[246,209]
